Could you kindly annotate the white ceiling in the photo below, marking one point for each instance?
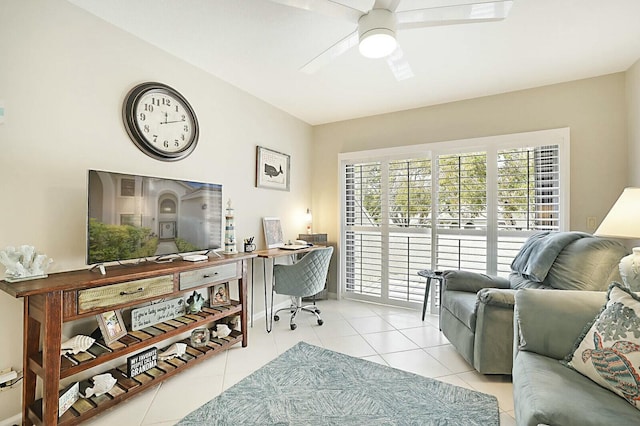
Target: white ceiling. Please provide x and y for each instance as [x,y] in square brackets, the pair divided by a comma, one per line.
[259,47]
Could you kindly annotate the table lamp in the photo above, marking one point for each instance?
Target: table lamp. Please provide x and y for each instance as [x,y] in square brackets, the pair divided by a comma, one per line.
[623,221]
[309,219]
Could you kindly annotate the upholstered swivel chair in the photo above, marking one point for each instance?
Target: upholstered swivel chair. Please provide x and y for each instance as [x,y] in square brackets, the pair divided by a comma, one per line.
[305,278]
[476,314]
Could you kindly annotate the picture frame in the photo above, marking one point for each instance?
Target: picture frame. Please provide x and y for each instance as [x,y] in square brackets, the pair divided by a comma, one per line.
[111,326]
[273,169]
[273,236]
[219,295]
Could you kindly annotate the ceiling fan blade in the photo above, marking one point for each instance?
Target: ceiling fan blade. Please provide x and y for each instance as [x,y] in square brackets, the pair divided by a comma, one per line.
[325,7]
[331,53]
[391,5]
[451,15]
[399,65]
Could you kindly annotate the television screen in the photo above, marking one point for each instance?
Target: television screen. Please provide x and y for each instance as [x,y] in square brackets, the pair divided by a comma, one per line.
[133,217]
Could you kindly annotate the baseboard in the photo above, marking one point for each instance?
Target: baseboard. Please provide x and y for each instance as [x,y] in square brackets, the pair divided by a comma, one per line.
[11,421]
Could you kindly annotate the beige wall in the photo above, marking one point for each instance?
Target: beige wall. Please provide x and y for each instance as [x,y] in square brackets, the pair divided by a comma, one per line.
[633,114]
[63,78]
[594,109]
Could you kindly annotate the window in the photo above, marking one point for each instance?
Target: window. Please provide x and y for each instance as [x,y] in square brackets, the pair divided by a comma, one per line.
[127,187]
[457,205]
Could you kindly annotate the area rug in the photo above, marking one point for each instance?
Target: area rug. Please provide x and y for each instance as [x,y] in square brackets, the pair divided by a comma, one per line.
[309,385]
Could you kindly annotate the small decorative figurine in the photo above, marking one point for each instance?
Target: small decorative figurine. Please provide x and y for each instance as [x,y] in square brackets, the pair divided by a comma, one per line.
[76,344]
[222,330]
[24,263]
[102,383]
[194,303]
[177,349]
[229,231]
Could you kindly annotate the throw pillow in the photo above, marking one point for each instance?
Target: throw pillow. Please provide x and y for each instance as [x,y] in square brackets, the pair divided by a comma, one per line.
[609,352]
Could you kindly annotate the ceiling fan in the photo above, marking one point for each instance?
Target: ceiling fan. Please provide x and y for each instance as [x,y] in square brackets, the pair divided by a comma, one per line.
[375,32]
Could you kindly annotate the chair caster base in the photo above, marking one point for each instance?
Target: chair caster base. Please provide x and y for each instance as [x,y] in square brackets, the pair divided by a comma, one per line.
[294,326]
[320,322]
[276,318]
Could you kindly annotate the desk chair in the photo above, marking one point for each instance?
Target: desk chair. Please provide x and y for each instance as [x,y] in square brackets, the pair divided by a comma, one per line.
[305,278]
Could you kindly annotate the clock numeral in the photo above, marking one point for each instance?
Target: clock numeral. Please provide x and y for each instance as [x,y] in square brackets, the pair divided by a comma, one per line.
[184,117]
[166,102]
[177,108]
[143,116]
[186,128]
[182,137]
[155,138]
[166,144]
[176,143]
[148,108]
[146,128]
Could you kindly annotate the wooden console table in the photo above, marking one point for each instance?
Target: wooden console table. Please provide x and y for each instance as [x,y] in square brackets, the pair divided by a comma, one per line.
[70,296]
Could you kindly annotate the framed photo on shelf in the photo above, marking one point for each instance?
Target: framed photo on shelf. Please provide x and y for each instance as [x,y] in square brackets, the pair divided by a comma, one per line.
[219,295]
[111,325]
[273,169]
[273,236]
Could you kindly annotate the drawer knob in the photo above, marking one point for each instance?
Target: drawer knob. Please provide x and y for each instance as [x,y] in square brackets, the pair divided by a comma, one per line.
[126,293]
[208,275]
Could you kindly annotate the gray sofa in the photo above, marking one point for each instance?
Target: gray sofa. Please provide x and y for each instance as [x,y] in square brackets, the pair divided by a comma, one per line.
[545,391]
[476,313]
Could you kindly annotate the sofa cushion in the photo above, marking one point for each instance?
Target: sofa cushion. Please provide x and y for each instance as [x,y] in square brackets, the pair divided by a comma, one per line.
[545,392]
[609,351]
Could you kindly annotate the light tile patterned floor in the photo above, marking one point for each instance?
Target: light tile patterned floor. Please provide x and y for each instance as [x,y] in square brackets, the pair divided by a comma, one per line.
[382,334]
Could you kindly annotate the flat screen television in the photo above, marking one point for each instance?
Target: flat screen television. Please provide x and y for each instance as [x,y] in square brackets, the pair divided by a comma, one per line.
[136,217]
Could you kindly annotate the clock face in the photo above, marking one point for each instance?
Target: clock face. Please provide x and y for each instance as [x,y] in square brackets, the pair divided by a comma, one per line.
[160,121]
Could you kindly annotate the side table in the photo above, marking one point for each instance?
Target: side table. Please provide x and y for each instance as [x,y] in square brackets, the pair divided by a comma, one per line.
[431,275]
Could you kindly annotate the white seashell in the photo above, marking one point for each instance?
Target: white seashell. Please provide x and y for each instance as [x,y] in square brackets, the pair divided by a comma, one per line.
[77,344]
[102,383]
[177,349]
[223,330]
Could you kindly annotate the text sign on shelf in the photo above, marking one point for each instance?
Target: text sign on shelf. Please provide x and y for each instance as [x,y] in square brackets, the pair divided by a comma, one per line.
[139,363]
[156,313]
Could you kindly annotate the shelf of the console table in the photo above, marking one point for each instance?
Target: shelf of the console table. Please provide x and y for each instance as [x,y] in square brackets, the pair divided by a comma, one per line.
[126,387]
[132,344]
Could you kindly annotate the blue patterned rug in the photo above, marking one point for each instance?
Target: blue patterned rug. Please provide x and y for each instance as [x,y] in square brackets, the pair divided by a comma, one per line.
[308,385]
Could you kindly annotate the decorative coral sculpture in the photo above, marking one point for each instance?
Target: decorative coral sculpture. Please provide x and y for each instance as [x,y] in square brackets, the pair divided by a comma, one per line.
[24,263]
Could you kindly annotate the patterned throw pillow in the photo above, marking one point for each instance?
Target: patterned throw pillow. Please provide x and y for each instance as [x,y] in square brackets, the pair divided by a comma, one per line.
[609,353]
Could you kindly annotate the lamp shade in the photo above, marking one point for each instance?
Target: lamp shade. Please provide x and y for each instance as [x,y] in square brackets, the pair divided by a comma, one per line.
[623,220]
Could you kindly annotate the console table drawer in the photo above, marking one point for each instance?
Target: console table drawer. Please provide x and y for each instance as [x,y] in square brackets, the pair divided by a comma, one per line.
[117,294]
[204,276]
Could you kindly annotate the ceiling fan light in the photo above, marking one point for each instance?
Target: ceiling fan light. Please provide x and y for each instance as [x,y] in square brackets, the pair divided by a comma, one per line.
[377,43]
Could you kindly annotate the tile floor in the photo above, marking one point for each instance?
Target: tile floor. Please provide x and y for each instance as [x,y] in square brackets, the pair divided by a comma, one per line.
[386,335]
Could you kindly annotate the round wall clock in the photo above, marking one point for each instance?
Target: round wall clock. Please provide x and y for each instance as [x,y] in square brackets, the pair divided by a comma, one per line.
[160,121]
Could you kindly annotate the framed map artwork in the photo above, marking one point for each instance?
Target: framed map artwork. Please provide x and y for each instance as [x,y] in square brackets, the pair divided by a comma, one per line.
[272,232]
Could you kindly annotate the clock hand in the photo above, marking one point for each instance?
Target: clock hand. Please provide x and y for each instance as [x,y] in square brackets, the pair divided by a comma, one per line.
[175,121]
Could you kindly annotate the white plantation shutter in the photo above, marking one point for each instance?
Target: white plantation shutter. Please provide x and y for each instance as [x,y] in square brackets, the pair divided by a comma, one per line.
[363,239]
[409,234]
[444,210]
[462,212]
[528,198]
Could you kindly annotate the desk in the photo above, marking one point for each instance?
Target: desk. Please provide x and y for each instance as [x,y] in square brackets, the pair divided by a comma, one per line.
[265,255]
